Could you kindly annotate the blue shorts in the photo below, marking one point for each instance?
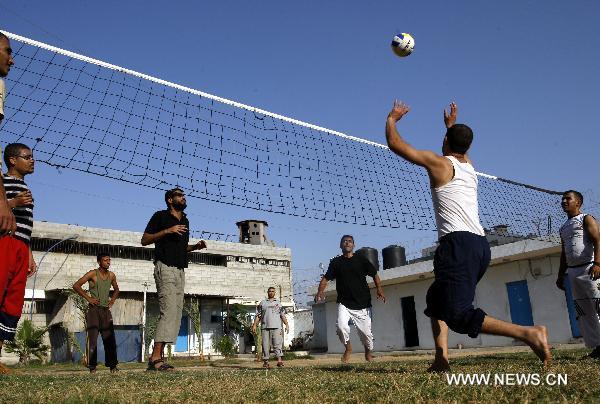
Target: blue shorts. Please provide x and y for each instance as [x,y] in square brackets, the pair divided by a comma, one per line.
[460,261]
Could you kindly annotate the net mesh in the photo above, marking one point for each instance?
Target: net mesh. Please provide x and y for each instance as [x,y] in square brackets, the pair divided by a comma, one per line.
[87,117]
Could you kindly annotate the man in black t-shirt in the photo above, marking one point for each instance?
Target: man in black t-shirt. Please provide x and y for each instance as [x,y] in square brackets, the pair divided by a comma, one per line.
[169,231]
[353,295]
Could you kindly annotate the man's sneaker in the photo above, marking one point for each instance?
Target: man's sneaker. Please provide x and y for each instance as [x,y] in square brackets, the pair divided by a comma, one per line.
[595,354]
[114,370]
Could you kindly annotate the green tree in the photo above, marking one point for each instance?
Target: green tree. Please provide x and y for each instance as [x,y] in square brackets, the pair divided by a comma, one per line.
[81,304]
[28,342]
[75,344]
[240,321]
[192,309]
[149,333]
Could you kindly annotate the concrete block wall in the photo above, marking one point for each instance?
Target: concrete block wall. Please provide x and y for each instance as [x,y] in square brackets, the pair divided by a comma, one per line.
[60,271]
[247,278]
[86,234]
[129,238]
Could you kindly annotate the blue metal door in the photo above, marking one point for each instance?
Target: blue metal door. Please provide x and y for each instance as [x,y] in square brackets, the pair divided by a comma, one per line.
[181,345]
[128,339]
[520,305]
[571,307]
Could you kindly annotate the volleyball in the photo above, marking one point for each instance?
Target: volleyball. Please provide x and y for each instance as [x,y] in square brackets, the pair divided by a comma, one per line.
[403,44]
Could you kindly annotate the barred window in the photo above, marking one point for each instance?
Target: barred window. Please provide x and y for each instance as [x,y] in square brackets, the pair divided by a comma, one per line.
[118,251]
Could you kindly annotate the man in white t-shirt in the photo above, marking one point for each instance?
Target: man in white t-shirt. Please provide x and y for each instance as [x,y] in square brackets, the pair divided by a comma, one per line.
[463,254]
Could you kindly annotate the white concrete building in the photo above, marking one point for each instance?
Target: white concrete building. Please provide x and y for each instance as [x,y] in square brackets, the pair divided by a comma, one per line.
[223,274]
[302,330]
[519,286]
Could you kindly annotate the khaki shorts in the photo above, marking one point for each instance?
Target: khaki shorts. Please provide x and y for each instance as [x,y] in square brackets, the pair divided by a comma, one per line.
[170,284]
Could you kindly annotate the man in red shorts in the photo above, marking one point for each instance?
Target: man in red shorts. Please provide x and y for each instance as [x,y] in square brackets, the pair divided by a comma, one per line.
[15,251]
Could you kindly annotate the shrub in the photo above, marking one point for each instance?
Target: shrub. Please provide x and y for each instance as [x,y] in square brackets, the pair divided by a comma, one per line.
[225,346]
[29,341]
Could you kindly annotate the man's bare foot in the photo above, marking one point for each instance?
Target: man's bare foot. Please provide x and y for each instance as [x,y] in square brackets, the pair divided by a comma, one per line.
[369,356]
[347,353]
[537,339]
[439,365]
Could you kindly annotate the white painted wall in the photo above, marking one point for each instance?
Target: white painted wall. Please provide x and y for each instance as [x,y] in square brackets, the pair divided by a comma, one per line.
[320,322]
[303,322]
[548,303]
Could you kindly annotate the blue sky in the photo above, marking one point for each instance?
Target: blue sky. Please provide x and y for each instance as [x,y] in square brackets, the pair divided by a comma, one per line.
[525,75]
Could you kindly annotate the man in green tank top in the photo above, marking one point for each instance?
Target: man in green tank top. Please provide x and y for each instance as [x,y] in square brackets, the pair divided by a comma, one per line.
[98,317]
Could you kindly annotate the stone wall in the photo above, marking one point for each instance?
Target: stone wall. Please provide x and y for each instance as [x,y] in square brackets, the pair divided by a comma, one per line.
[249,269]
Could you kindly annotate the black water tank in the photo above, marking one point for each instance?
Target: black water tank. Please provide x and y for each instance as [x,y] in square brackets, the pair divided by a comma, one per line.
[371,254]
[393,256]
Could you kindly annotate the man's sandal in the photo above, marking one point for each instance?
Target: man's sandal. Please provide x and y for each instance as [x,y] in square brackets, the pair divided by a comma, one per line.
[166,364]
[162,368]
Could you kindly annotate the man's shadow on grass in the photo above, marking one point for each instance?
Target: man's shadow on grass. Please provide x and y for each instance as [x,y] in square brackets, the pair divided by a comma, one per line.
[505,357]
[347,368]
[479,359]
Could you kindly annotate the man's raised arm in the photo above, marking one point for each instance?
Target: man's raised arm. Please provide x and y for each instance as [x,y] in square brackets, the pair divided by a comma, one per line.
[423,158]
[436,165]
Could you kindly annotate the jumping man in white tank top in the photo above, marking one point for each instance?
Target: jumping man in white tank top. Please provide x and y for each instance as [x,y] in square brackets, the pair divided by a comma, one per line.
[463,253]
[580,237]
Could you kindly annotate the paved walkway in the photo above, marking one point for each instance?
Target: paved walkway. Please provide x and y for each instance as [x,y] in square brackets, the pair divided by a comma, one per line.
[326,359]
[391,356]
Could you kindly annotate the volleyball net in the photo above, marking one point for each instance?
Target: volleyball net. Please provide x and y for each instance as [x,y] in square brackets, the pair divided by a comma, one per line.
[87,115]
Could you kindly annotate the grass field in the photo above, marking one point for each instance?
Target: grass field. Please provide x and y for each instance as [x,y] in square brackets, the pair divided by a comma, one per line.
[388,379]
